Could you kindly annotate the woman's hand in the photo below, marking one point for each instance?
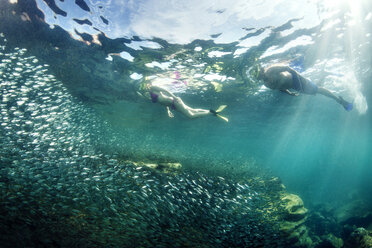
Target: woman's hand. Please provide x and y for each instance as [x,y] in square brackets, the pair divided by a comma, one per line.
[170,114]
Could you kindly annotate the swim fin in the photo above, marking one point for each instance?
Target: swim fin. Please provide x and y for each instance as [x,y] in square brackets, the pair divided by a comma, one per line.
[348,106]
[222,117]
[219,110]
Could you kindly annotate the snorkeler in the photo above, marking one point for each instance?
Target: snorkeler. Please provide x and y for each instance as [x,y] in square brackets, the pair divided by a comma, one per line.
[172,102]
[285,78]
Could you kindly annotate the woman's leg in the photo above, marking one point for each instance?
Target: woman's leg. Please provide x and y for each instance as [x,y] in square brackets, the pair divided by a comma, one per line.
[188,111]
[199,112]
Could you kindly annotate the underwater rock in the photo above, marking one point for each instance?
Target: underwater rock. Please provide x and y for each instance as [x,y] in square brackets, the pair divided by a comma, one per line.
[324,220]
[323,227]
[165,167]
[297,233]
[331,241]
[294,215]
[359,238]
[275,184]
[287,210]
[294,207]
[170,167]
[355,212]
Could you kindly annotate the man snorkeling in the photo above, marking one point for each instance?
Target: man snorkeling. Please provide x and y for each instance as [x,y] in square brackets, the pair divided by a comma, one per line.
[160,95]
[284,78]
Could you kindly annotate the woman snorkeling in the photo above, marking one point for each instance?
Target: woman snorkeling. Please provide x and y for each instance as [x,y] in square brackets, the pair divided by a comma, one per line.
[160,95]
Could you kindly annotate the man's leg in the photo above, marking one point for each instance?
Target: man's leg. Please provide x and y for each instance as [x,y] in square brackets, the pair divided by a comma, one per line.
[329,94]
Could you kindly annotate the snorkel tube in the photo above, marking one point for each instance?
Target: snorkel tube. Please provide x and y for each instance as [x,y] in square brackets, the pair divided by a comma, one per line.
[255,72]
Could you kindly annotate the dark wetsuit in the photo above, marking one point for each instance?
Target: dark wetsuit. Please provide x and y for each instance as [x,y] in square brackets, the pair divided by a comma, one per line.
[154,99]
[303,85]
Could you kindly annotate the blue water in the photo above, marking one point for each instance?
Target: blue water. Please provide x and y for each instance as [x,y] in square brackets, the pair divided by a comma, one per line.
[95,56]
[319,150]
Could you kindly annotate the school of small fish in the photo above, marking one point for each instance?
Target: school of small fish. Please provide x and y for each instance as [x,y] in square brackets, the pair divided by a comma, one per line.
[58,190]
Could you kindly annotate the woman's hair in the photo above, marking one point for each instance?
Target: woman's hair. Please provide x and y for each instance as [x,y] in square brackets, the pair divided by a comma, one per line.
[144,85]
[143,90]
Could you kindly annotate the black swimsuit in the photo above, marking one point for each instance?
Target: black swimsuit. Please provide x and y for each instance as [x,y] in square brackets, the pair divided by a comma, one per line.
[154,99]
[303,85]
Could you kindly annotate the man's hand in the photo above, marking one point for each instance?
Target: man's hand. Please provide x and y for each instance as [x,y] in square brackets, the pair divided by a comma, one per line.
[290,92]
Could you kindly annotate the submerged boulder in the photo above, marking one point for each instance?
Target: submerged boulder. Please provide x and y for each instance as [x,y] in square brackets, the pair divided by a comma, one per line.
[165,167]
[330,241]
[287,210]
[359,238]
[294,207]
[294,215]
[356,212]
